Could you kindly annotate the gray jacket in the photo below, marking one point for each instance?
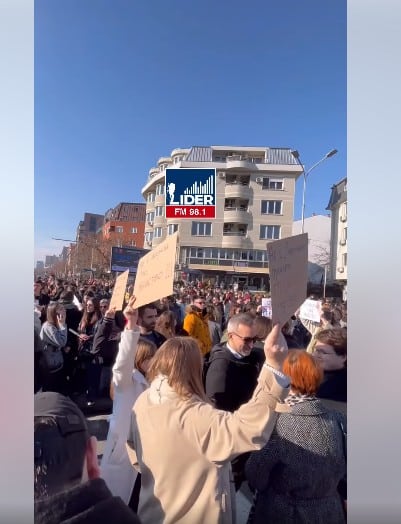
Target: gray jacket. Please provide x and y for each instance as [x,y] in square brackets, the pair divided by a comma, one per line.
[53,335]
[298,471]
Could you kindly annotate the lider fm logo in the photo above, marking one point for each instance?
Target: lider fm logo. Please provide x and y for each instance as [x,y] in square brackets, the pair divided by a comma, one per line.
[190,193]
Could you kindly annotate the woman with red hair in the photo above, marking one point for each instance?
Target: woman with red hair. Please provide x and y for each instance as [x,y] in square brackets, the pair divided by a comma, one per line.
[299,473]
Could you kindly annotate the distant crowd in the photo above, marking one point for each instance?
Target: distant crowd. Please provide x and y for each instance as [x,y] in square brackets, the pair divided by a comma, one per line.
[206,395]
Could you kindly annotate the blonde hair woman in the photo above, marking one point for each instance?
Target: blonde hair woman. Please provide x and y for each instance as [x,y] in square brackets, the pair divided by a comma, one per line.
[183,445]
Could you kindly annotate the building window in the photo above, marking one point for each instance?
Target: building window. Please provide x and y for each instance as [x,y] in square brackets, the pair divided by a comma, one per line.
[151,197]
[158,232]
[119,229]
[172,228]
[270,232]
[271,207]
[133,243]
[273,184]
[134,230]
[160,189]
[201,229]
[150,217]
[159,211]
[149,237]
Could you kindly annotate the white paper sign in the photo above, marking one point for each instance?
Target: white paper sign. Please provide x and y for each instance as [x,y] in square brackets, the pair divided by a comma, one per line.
[267,307]
[310,310]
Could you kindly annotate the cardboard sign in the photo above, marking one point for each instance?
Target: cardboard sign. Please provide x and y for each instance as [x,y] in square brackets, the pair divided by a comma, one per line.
[267,307]
[310,310]
[155,275]
[288,267]
[117,299]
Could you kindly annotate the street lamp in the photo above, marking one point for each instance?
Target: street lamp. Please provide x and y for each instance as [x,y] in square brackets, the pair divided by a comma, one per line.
[295,154]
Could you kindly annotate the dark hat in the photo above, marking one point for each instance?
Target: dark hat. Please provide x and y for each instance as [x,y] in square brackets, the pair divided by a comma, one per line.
[67,417]
[60,442]
[65,412]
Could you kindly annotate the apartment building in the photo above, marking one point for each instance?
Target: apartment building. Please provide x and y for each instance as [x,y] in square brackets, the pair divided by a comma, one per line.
[255,203]
[339,233]
[318,228]
[124,225]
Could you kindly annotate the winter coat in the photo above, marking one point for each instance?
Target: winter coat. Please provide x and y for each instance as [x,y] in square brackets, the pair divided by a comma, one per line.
[230,381]
[116,468]
[184,448]
[334,385]
[53,335]
[89,503]
[298,471]
[197,327]
[107,338]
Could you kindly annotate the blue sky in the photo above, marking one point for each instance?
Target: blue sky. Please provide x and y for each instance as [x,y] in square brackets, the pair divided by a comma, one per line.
[120,83]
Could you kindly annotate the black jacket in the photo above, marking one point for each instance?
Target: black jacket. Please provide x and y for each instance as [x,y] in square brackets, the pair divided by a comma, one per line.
[230,382]
[107,338]
[334,385]
[89,503]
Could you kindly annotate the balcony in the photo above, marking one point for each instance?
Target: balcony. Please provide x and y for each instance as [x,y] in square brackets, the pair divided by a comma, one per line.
[235,238]
[153,171]
[237,214]
[239,162]
[237,189]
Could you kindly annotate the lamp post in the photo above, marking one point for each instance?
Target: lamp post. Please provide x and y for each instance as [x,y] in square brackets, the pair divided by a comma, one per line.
[295,154]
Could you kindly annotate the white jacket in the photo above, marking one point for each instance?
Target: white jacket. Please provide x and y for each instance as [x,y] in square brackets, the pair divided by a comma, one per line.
[129,383]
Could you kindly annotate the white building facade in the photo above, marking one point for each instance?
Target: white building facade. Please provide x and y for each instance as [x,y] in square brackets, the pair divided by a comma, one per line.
[255,204]
[339,234]
[318,228]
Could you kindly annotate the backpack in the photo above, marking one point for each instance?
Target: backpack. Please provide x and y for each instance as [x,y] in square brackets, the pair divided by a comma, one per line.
[53,358]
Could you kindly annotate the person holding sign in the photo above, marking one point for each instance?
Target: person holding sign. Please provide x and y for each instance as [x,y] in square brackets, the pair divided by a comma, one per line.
[183,445]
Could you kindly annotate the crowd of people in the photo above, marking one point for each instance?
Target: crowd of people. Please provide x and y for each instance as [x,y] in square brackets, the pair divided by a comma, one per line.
[206,395]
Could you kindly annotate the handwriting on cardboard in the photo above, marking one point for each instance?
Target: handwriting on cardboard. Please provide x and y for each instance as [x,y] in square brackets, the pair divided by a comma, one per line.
[155,274]
[117,299]
[288,267]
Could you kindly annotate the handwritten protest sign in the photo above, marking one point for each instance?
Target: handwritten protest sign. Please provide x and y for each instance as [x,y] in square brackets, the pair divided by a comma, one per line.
[155,274]
[310,310]
[117,298]
[267,307]
[288,267]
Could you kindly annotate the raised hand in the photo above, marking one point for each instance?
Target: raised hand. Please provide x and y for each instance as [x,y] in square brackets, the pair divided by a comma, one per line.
[275,348]
[130,313]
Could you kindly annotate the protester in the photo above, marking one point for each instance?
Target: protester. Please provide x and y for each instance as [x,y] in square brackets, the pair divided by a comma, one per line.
[147,315]
[214,326]
[106,340]
[330,352]
[184,445]
[128,382]
[232,371]
[90,364]
[67,483]
[166,324]
[195,323]
[54,337]
[298,472]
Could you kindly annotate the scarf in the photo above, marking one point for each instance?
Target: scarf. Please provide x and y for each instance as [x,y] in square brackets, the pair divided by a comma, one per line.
[297,398]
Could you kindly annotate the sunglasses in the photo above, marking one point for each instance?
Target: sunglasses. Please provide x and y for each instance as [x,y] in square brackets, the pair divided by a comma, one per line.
[247,340]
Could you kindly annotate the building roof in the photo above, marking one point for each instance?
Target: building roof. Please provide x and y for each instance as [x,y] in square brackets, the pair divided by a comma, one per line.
[275,155]
[126,211]
[338,194]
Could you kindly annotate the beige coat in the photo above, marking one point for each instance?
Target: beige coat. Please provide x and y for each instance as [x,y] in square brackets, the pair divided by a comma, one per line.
[184,449]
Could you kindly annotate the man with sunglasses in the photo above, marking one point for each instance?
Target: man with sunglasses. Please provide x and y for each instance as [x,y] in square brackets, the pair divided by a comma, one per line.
[232,372]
